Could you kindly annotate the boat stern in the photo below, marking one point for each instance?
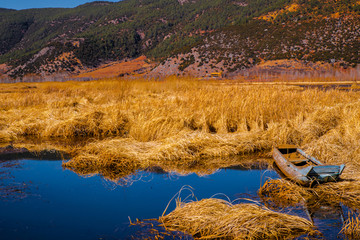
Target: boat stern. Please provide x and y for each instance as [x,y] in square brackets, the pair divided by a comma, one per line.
[326,173]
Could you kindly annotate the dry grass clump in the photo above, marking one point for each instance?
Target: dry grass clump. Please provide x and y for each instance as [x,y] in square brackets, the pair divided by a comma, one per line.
[351,228]
[69,123]
[5,137]
[198,152]
[347,192]
[215,218]
[282,193]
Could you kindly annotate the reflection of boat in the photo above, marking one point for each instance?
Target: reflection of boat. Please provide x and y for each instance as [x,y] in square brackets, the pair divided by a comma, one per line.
[326,215]
[323,210]
[302,168]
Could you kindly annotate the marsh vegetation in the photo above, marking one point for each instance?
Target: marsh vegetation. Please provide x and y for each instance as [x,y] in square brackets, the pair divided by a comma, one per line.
[183,125]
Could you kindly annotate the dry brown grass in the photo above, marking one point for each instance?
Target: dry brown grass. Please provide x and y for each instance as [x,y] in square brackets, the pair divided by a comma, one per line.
[218,219]
[201,153]
[347,192]
[117,68]
[149,111]
[281,193]
[351,228]
[134,123]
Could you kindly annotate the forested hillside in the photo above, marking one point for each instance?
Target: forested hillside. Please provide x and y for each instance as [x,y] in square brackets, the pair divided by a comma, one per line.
[58,39]
[325,31]
[103,31]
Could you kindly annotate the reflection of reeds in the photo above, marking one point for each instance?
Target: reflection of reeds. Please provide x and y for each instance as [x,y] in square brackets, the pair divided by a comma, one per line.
[11,190]
[215,218]
[351,228]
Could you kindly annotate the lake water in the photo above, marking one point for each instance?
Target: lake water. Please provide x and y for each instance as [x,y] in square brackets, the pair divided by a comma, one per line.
[41,200]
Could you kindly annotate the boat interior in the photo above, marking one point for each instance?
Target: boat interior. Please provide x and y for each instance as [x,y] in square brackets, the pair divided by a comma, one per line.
[293,156]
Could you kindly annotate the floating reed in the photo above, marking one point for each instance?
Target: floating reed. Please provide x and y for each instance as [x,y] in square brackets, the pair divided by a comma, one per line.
[215,218]
[347,192]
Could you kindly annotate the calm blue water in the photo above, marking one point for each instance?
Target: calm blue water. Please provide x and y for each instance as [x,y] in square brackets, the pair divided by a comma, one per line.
[41,200]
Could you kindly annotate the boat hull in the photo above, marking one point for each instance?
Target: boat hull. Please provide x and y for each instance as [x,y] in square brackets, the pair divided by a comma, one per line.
[312,173]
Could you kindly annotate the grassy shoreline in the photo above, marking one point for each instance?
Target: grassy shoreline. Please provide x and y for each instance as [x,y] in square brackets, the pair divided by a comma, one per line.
[184,125]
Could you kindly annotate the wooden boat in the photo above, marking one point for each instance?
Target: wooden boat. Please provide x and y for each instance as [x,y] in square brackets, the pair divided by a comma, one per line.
[302,168]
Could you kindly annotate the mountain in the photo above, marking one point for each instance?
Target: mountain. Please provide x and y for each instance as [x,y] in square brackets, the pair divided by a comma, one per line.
[2,10]
[225,35]
[324,32]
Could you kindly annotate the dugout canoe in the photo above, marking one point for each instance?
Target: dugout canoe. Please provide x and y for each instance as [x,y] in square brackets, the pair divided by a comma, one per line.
[302,168]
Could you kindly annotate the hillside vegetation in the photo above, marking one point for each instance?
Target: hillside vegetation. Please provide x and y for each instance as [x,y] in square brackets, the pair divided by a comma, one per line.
[102,31]
[221,35]
[310,31]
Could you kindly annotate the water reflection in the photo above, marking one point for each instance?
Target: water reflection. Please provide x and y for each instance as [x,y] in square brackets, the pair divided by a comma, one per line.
[328,216]
[322,209]
[65,205]
[57,203]
[204,167]
[10,189]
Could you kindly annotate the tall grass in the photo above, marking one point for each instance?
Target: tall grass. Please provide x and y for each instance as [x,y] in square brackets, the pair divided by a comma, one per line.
[149,111]
[136,123]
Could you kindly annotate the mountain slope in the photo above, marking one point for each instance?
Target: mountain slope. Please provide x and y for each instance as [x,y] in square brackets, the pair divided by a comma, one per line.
[196,35]
[310,31]
[103,31]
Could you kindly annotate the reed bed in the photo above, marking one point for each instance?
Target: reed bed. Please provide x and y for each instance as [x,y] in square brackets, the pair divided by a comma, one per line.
[129,124]
[198,152]
[148,111]
[219,219]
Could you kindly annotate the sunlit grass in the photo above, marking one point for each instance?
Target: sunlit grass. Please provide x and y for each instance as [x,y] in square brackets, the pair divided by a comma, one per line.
[188,125]
[181,119]
[217,219]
